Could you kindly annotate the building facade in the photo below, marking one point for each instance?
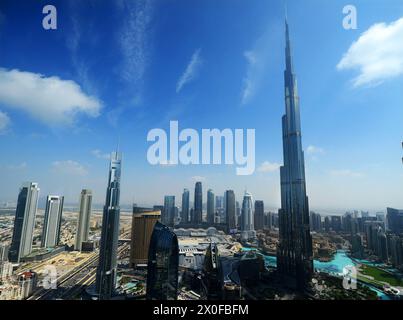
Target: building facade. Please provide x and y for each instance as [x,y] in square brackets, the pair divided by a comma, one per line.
[142,227]
[107,266]
[230,211]
[24,223]
[185,206]
[52,221]
[163,262]
[84,215]
[294,252]
[198,204]
[210,207]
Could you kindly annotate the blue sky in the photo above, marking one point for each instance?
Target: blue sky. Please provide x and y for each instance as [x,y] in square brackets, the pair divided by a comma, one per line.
[117,69]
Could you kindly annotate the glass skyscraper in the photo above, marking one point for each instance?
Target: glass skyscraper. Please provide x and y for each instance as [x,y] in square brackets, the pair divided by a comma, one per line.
[247,224]
[294,252]
[210,206]
[185,206]
[230,211]
[163,262]
[52,221]
[83,223]
[24,223]
[107,267]
[168,214]
[198,205]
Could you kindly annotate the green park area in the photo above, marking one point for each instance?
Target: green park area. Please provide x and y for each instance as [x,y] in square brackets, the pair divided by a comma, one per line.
[380,275]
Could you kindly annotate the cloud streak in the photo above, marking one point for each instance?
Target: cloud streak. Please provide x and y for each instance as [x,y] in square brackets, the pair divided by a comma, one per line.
[50,100]
[377,54]
[69,167]
[133,38]
[191,71]
[4,122]
[268,167]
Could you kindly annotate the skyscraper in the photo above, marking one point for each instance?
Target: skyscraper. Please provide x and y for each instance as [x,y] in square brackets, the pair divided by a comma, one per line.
[259,215]
[163,262]
[143,223]
[24,223]
[185,206]
[168,214]
[198,205]
[230,211]
[52,221]
[107,267]
[394,219]
[247,224]
[83,223]
[294,252]
[210,206]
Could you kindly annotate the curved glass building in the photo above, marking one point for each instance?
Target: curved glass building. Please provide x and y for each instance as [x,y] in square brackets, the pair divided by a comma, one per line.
[163,262]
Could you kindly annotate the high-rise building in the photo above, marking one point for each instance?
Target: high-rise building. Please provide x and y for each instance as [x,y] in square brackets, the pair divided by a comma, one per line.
[294,252]
[394,218]
[52,221]
[259,215]
[83,222]
[143,223]
[163,262]
[27,282]
[24,223]
[238,213]
[247,225]
[198,204]
[107,266]
[230,211]
[4,252]
[185,206]
[210,206]
[211,281]
[168,214]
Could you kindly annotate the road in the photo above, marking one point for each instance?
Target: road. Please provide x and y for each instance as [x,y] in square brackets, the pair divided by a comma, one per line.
[70,285]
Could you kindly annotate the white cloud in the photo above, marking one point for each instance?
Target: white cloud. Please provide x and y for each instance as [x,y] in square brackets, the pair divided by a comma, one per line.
[133,38]
[4,122]
[311,150]
[198,178]
[346,173]
[377,54]
[20,166]
[268,167]
[191,71]
[48,99]
[250,81]
[69,167]
[98,154]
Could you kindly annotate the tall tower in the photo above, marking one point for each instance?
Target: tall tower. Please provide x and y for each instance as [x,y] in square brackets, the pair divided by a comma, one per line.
[24,223]
[83,223]
[294,253]
[247,224]
[168,214]
[185,206]
[210,207]
[198,205]
[52,221]
[230,211]
[107,267]
[163,262]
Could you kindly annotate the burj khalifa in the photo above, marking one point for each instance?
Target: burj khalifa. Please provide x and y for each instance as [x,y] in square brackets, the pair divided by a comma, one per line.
[294,252]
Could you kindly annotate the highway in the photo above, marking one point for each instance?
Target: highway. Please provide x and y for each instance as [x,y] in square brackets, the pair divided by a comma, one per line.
[71,284]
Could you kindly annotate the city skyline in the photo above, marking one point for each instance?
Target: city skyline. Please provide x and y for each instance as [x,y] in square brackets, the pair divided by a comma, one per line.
[353,152]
